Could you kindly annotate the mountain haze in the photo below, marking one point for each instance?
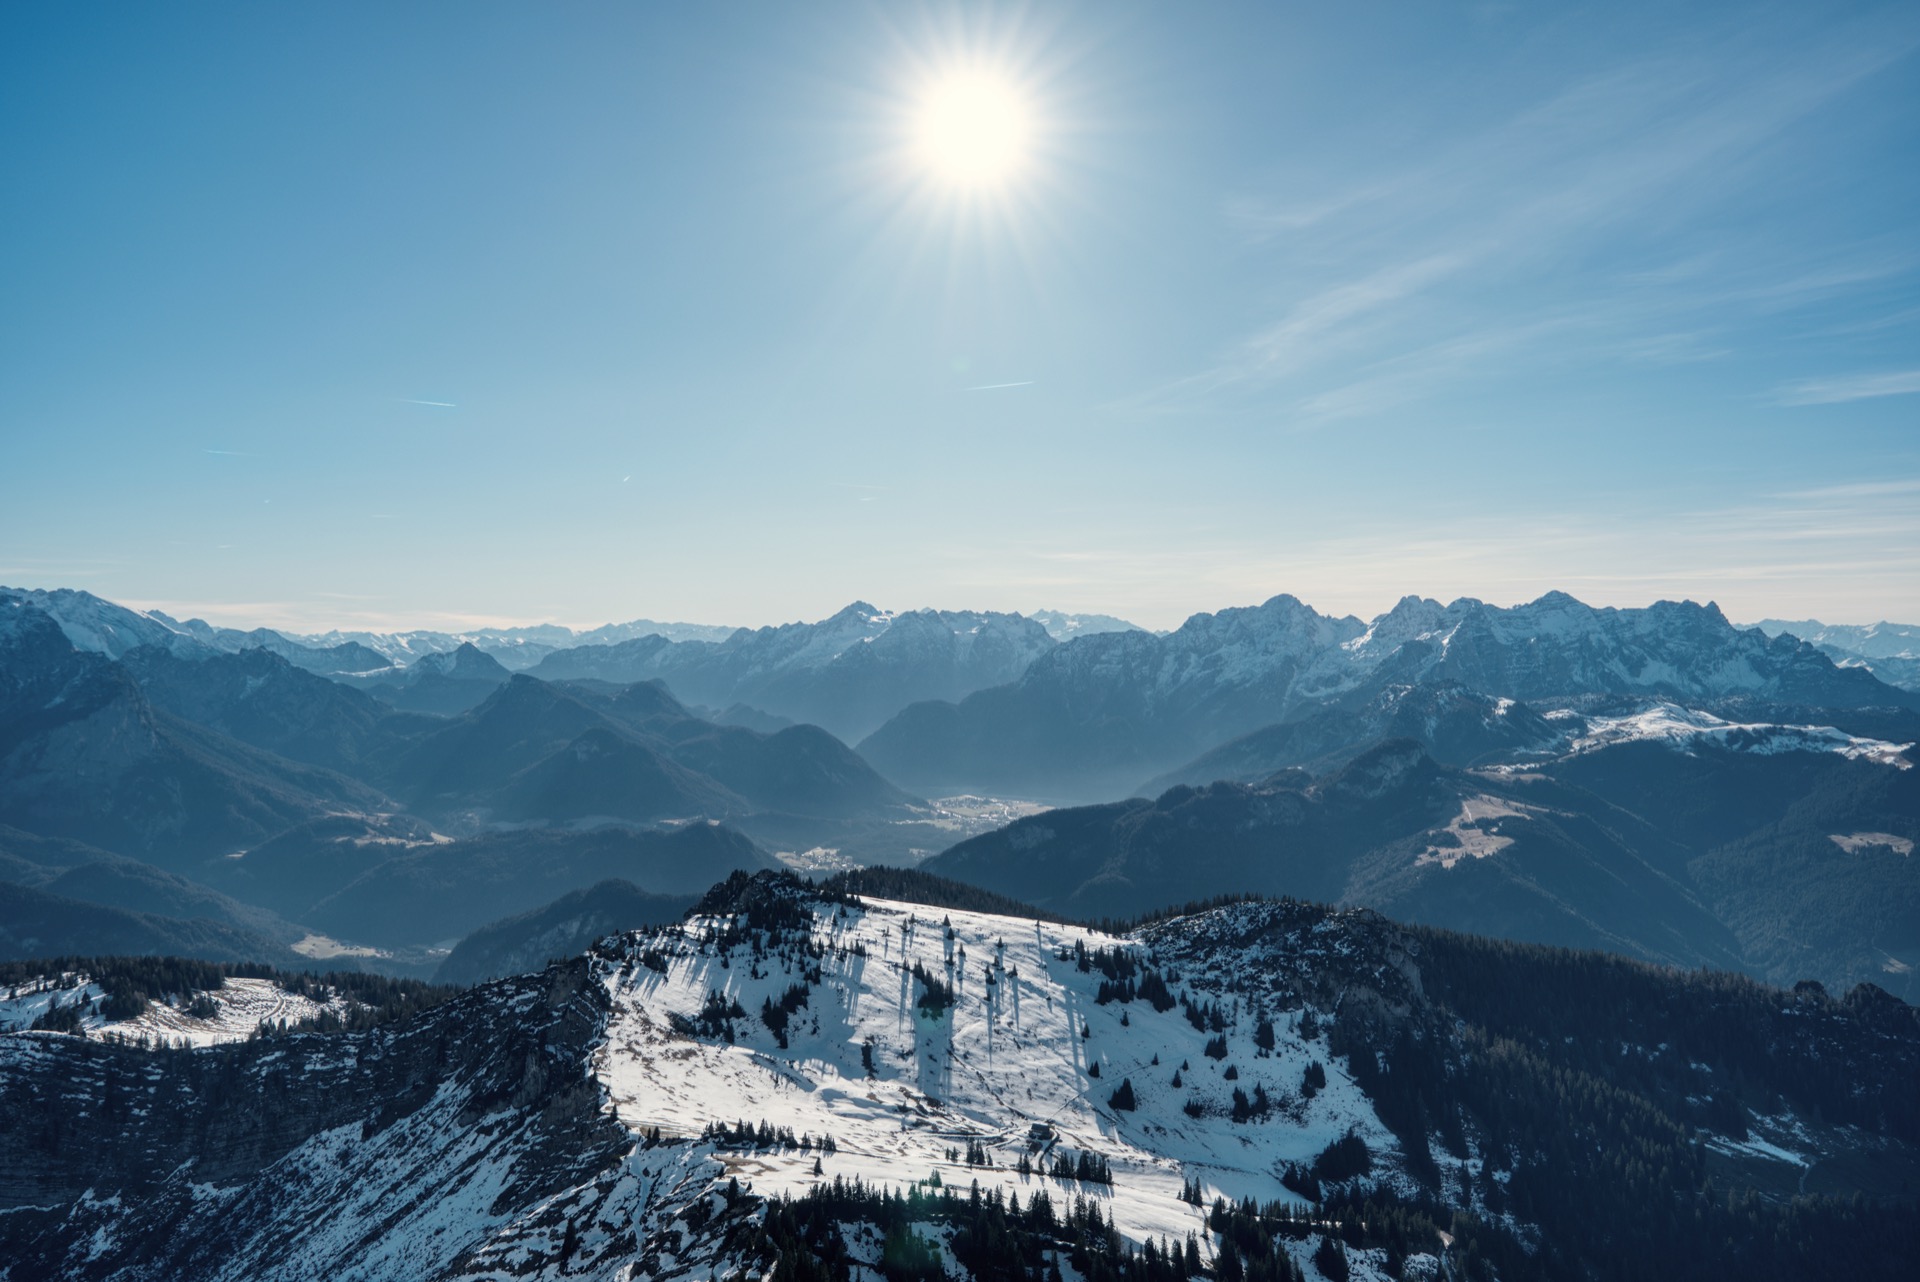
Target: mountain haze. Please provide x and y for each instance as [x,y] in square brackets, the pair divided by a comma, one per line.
[1099,714]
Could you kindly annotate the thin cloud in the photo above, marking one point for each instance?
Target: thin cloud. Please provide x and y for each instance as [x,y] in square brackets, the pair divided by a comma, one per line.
[1864,489]
[1413,250]
[57,572]
[994,387]
[1858,387]
[444,405]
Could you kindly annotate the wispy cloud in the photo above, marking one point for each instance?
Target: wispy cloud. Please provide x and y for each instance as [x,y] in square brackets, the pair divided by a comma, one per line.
[53,574]
[1404,378]
[994,387]
[443,405]
[1856,387]
[1858,490]
[1543,221]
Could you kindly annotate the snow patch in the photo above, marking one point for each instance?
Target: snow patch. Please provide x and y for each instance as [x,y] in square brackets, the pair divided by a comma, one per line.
[1855,842]
[1682,728]
[1472,840]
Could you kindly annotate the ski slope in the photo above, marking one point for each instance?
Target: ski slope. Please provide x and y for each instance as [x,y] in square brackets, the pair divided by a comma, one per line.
[1018,1048]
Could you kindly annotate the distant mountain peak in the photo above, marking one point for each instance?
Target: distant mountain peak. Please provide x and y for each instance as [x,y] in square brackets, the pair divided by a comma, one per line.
[1064,625]
[466,663]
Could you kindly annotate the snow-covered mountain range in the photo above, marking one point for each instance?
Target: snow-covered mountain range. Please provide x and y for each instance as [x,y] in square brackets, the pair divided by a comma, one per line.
[848,673]
[399,810]
[107,628]
[1097,715]
[1891,651]
[1155,699]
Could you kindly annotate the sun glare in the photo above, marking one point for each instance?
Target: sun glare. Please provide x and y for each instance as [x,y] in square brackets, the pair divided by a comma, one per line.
[973,130]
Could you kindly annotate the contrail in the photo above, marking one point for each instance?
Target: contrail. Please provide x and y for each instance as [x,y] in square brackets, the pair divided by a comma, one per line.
[229,453]
[994,387]
[445,405]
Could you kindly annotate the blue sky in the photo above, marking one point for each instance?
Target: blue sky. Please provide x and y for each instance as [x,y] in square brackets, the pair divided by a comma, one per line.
[403,315]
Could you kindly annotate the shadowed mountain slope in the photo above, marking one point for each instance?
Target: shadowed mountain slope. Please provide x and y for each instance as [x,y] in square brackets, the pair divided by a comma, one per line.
[564,928]
[1392,830]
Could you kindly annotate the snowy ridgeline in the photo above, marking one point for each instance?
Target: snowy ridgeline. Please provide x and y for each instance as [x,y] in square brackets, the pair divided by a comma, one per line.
[230,1013]
[654,1108]
[604,1118]
[1024,1064]
[1683,728]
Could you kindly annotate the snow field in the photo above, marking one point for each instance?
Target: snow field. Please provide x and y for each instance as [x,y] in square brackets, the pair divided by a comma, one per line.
[1678,726]
[241,1006]
[1007,1055]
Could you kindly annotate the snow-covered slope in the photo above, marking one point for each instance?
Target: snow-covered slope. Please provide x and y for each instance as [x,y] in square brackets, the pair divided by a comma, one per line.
[1684,728]
[651,1109]
[230,1013]
[101,627]
[1019,1048]
[470,1144]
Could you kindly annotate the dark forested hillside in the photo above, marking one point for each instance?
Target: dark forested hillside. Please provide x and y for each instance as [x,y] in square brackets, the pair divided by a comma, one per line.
[1789,865]
[1520,857]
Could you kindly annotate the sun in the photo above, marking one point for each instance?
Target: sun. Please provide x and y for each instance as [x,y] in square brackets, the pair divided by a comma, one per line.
[973,130]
